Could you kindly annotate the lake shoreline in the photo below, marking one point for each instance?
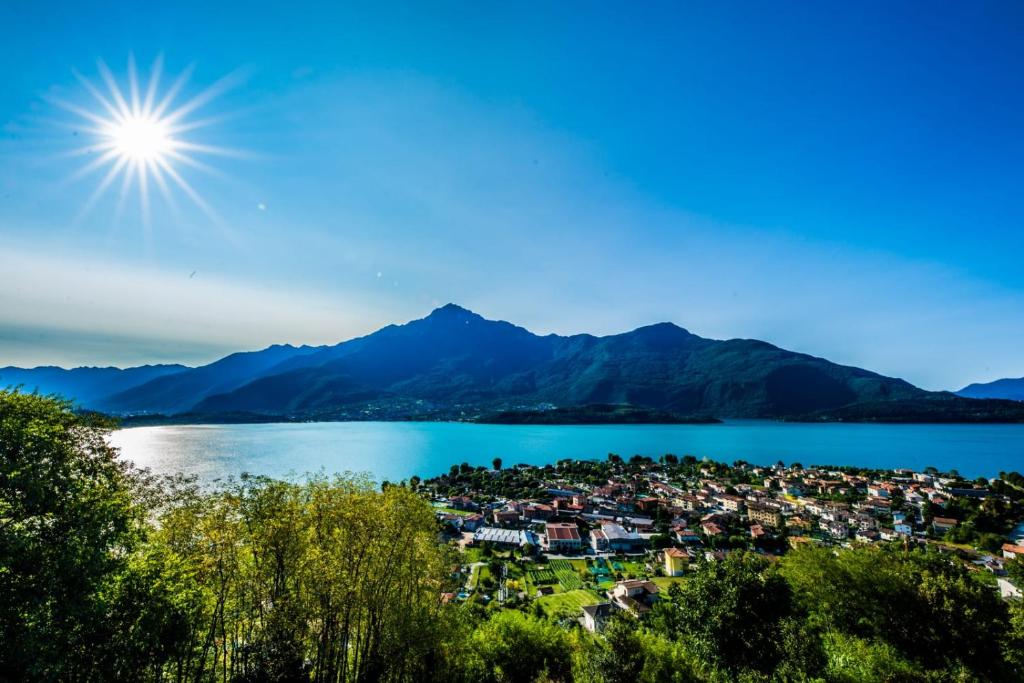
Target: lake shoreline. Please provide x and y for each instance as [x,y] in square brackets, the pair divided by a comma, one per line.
[398,450]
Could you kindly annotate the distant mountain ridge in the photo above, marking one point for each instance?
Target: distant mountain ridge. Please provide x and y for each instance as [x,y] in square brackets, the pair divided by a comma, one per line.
[178,392]
[454,357]
[86,385]
[455,364]
[1008,388]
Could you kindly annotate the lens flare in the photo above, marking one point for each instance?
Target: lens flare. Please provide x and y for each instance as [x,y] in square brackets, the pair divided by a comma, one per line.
[140,135]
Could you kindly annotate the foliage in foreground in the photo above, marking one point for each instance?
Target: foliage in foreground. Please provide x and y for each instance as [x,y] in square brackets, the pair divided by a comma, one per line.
[107,574]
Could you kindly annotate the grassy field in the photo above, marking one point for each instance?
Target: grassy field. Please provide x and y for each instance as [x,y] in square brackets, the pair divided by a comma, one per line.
[663,582]
[628,566]
[464,513]
[480,573]
[570,601]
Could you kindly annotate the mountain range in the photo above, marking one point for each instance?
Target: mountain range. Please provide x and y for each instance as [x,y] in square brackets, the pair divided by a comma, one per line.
[454,364]
[87,386]
[1009,388]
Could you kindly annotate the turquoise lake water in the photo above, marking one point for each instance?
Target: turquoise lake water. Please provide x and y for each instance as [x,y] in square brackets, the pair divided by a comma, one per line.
[397,450]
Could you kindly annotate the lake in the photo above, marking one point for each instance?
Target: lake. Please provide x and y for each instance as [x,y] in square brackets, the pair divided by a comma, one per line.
[398,450]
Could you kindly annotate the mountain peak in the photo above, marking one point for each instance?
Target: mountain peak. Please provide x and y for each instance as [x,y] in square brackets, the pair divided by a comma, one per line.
[450,308]
[663,328]
[453,312]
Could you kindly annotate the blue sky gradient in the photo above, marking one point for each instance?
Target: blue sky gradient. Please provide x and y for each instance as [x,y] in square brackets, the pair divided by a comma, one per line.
[839,179]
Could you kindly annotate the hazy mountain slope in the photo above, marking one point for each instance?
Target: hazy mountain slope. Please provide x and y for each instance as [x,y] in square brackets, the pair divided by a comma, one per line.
[302,391]
[83,385]
[1012,389]
[666,367]
[178,393]
[456,357]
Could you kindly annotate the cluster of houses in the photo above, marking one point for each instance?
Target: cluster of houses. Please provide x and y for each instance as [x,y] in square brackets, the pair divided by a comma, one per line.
[639,509]
[635,597]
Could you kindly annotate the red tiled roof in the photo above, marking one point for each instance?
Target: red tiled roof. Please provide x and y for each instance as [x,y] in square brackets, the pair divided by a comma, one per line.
[563,532]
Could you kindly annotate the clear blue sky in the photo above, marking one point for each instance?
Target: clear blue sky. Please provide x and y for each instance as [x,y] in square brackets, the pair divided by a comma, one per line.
[843,179]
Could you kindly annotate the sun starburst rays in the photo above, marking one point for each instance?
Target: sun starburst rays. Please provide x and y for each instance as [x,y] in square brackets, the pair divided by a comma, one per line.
[138,136]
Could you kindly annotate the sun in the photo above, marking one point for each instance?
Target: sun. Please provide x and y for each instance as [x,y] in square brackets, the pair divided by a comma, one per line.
[141,139]
[140,135]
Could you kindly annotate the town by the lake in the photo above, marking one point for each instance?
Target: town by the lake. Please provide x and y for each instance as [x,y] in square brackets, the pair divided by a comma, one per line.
[585,541]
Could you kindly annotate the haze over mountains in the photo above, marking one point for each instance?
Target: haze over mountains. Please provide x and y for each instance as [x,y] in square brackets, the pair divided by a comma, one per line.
[1009,388]
[456,364]
[88,386]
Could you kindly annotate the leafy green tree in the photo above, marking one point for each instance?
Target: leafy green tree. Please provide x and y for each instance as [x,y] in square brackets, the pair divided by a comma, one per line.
[1015,571]
[69,525]
[629,653]
[923,604]
[496,463]
[731,613]
[512,647]
[859,660]
[1013,647]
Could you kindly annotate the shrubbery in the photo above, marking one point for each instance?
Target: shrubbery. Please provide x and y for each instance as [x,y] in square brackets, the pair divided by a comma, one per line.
[109,575]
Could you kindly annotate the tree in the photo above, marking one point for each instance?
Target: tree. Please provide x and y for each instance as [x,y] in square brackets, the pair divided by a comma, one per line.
[923,604]
[1013,647]
[731,613]
[496,463]
[630,653]
[328,578]
[70,524]
[860,660]
[512,647]
[1015,570]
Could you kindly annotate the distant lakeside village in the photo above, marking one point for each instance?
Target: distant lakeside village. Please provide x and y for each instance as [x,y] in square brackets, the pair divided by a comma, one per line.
[589,540]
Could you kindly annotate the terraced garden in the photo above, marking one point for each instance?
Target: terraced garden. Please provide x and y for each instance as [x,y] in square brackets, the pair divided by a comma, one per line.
[569,581]
[542,576]
[567,575]
[570,601]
